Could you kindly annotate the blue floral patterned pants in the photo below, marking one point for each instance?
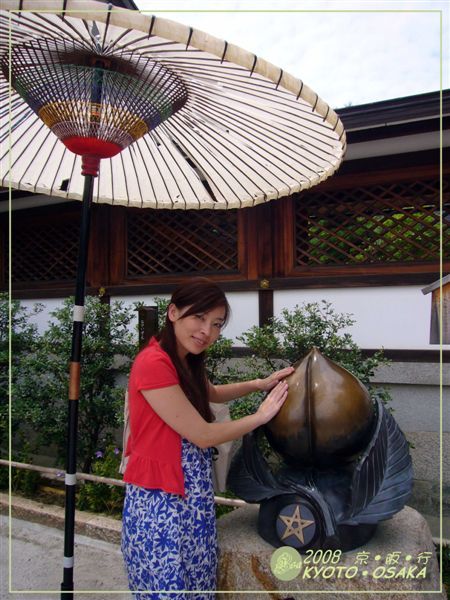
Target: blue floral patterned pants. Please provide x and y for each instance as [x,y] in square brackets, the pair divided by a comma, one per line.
[169,543]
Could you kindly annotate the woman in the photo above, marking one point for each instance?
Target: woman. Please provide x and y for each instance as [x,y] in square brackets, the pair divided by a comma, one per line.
[169,529]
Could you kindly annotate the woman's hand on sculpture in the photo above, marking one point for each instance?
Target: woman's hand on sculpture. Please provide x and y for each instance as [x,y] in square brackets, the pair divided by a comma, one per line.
[274,401]
[265,385]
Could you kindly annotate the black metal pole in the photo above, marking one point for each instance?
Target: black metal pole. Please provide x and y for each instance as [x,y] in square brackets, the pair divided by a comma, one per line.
[74,392]
[89,168]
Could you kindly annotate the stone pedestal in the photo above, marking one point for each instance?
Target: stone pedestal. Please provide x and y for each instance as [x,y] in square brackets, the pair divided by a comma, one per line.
[399,558]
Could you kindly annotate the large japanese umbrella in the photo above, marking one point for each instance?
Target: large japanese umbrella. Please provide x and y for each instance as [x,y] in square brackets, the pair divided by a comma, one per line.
[108,105]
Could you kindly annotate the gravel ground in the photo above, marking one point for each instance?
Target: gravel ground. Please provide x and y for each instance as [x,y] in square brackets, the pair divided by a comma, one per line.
[33,563]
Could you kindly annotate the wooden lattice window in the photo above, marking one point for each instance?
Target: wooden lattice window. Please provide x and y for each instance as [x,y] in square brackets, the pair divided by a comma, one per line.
[396,222]
[44,250]
[164,241]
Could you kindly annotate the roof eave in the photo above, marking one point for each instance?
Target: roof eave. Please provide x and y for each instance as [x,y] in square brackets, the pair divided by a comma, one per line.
[395,111]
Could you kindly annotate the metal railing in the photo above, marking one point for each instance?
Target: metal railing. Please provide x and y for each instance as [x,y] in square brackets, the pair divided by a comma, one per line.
[52,473]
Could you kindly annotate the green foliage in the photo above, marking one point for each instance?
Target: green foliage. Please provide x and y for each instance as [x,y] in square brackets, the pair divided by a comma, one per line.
[4,477]
[401,236]
[23,481]
[216,357]
[224,509]
[40,377]
[103,497]
[18,336]
[291,336]
[444,565]
[42,388]
[162,305]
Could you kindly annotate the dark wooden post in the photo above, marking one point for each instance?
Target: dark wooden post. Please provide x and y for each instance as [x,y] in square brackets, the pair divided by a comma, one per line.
[148,324]
[265,298]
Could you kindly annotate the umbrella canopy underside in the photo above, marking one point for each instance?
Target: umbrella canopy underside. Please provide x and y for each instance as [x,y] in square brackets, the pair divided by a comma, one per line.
[247,133]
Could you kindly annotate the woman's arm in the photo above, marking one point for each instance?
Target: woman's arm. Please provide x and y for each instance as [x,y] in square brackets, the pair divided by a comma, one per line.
[175,409]
[230,391]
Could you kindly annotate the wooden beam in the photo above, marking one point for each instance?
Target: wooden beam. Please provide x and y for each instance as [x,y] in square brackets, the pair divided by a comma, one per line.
[265,305]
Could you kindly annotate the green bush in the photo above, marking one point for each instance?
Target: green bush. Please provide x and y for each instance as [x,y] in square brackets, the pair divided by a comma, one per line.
[26,482]
[161,305]
[284,341]
[291,336]
[23,481]
[103,497]
[110,344]
[17,338]
[41,390]
[444,566]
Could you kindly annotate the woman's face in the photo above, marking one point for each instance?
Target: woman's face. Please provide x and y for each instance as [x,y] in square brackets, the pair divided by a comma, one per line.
[196,332]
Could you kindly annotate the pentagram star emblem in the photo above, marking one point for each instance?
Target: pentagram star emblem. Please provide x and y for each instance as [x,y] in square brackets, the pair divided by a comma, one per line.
[295,525]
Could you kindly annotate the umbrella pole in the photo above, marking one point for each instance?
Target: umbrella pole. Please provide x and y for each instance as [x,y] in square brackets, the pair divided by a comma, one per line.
[74,391]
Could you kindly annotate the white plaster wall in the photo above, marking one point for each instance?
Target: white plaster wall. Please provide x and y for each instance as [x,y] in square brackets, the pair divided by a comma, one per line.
[43,318]
[129,301]
[244,310]
[390,317]
[50,304]
[244,314]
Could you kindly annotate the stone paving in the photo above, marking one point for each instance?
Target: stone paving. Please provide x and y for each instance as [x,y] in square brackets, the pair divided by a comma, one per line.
[32,562]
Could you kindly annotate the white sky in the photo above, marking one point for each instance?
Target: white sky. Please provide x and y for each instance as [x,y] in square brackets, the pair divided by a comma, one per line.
[374,51]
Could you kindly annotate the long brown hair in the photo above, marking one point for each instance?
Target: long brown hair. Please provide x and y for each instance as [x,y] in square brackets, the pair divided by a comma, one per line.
[201,295]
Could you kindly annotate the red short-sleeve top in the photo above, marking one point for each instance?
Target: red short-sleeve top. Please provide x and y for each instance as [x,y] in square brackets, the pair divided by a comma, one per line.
[153,448]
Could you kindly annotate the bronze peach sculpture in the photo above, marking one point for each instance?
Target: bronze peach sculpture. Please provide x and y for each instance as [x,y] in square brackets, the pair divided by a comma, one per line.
[346,464]
[327,415]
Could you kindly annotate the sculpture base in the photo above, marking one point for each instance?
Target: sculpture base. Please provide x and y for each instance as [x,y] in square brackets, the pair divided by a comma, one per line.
[309,533]
[399,558]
